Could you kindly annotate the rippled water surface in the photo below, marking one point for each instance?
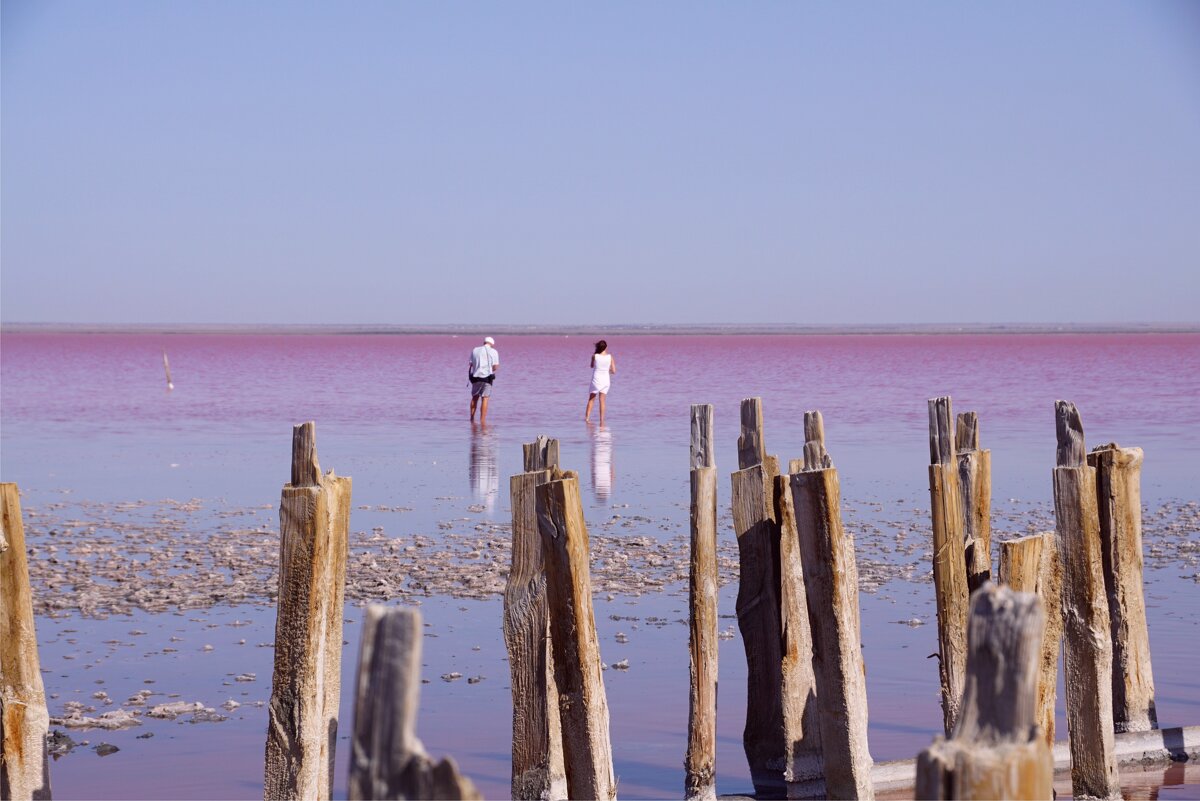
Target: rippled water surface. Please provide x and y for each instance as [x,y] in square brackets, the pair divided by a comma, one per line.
[87,419]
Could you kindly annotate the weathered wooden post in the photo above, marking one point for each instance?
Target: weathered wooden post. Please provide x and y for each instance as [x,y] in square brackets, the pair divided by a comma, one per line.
[975,499]
[587,749]
[24,719]
[1030,564]
[538,771]
[1119,499]
[997,751]
[314,520]
[1088,678]
[758,611]
[803,769]
[949,563]
[831,584]
[387,759]
[700,760]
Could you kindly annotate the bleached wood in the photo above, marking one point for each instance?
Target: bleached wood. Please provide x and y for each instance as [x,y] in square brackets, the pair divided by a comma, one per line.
[831,588]
[758,614]
[1069,432]
[587,749]
[703,448]
[941,431]
[997,751]
[949,561]
[804,770]
[538,771]
[751,447]
[815,457]
[314,523]
[1030,564]
[387,759]
[975,500]
[1119,500]
[700,760]
[1086,631]
[306,471]
[24,719]
[541,454]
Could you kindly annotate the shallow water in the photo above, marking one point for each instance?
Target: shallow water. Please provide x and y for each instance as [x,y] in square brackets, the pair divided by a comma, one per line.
[87,418]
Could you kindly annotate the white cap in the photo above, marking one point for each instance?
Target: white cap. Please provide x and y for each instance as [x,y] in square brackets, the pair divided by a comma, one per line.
[489,341]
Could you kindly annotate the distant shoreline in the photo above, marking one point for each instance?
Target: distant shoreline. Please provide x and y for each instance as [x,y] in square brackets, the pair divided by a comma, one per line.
[706,329]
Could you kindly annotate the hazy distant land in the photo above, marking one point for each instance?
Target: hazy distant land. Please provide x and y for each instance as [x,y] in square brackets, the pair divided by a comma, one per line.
[696,329]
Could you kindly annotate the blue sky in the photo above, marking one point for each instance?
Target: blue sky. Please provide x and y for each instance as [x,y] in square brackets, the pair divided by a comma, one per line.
[618,162]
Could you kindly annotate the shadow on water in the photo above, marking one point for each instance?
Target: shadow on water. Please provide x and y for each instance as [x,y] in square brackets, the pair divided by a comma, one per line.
[483,470]
[603,473]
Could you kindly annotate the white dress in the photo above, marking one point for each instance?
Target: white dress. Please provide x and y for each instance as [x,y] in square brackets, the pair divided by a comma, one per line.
[600,377]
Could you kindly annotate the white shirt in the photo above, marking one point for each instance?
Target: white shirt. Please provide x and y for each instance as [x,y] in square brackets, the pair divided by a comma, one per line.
[483,359]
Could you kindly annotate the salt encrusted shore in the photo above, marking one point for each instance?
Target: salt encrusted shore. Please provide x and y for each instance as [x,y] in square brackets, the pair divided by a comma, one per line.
[98,559]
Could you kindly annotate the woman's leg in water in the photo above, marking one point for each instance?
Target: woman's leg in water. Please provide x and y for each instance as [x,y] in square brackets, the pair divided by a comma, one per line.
[587,414]
[603,398]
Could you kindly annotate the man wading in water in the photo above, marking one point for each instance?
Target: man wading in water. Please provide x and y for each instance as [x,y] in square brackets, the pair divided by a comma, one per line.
[485,361]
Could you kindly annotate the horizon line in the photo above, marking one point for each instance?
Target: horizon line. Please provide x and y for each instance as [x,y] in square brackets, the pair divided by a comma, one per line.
[513,329]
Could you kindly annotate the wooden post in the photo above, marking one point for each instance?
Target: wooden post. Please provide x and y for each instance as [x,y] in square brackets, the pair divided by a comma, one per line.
[314,520]
[541,454]
[387,760]
[24,719]
[538,771]
[703,586]
[804,769]
[1086,630]
[1030,564]
[759,621]
[975,500]
[756,524]
[949,563]
[1119,498]
[831,585]
[997,751]
[587,749]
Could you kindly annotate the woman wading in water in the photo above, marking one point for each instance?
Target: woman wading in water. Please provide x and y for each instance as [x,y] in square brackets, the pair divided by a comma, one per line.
[603,366]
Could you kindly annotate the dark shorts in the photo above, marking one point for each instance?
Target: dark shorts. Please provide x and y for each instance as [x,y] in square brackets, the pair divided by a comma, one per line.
[481,389]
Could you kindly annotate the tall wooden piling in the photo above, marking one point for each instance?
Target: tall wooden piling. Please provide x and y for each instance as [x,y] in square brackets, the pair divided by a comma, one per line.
[24,719]
[387,759]
[1119,500]
[587,749]
[1086,631]
[1030,564]
[700,760]
[314,520]
[996,751]
[758,616]
[757,528]
[949,562]
[975,499]
[538,771]
[831,584]
[804,769]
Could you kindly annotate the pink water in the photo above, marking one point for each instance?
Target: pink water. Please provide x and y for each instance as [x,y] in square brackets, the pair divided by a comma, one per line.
[91,414]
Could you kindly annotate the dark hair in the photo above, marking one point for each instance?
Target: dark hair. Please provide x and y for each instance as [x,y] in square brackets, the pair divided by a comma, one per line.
[601,346]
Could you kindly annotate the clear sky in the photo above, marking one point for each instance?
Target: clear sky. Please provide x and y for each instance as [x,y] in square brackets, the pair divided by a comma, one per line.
[614,162]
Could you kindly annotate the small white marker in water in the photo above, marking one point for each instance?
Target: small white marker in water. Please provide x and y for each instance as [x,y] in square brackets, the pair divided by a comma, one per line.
[167,369]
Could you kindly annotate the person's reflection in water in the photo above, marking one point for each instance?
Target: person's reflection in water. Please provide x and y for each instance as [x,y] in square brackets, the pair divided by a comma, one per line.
[484,471]
[602,461]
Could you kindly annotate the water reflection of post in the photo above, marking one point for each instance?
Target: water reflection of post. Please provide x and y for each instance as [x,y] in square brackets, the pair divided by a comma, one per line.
[484,472]
[602,462]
